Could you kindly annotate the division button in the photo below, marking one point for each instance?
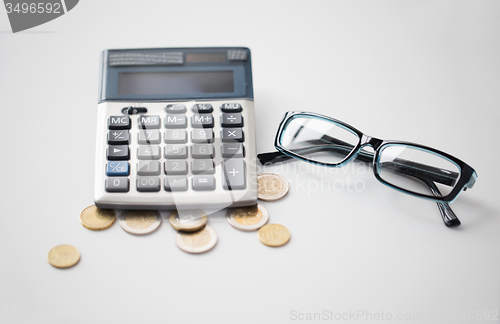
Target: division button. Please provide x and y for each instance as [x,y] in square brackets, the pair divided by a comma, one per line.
[148,152]
[233,174]
[118,137]
[176,167]
[120,184]
[149,136]
[176,183]
[231,107]
[232,135]
[232,120]
[148,184]
[175,121]
[202,108]
[175,109]
[118,152]
[203,182]
[119,122]
[117,169]
[148,168]
[148,122]
[202,121]
[233,150]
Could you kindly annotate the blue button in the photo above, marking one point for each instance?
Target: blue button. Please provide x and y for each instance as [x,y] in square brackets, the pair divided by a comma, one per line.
[117,168]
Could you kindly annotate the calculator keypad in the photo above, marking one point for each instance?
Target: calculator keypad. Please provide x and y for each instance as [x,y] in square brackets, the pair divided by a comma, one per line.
[187,155]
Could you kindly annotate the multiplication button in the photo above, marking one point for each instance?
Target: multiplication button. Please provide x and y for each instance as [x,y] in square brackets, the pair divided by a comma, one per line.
[232,135]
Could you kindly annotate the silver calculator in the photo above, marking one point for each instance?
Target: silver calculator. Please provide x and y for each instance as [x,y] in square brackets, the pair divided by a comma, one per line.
[175,129]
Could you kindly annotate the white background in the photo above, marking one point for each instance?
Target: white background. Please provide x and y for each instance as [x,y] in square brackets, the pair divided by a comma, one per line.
[421,71]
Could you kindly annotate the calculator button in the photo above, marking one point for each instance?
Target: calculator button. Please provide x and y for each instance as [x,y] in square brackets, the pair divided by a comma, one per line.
[148,122]
[118,137]
[148,152]
[149,136]
[233,174]
[202,151]
[202,108]
[233,150]
[202,136]
[231,107]
[203,166]
[175,136]
[148,184]
[232,135]
[176,167]
[176,151]
[148,168]
[118,152]
[119,122]
[117,169]
[202,121]
[175,109]
[231,120]
[120,184]
[175,121]
[203,182]
[173,183]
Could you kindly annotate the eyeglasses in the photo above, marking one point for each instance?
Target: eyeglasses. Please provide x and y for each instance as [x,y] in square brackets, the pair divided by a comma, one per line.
[408,167]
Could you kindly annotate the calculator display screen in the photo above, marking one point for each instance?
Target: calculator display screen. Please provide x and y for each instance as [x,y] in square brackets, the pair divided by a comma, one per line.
[185,82]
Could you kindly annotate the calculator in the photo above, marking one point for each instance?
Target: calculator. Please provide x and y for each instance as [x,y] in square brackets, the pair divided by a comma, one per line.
[175,129]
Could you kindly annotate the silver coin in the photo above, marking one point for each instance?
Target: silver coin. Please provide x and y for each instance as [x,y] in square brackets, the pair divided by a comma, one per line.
[188,220]
[140,222]
[248,218]
[271,186]
[197,242]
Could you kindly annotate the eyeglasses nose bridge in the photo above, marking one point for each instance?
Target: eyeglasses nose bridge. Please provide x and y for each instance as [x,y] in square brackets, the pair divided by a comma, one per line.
[371,141]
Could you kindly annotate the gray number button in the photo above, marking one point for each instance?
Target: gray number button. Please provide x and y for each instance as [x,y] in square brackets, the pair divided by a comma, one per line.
[118,184]
[202,136]
[176,167]
[148,152]
[173,183]
[148,184]
[176,151]
[148,168]
[203,151]
[149,136]
[203,166]
[203,182]
[175,136]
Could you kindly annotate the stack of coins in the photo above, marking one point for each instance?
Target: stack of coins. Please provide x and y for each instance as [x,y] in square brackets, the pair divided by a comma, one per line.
[193,233]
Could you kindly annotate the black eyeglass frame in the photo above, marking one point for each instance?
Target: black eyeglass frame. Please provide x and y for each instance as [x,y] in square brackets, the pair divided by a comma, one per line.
[466,179]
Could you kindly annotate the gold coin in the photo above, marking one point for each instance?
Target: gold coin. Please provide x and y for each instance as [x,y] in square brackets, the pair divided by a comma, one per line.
[248,218]
[188,220]
[197,242]
[97,219]
[63,256]
[140,222]
[271,186]
[274,235]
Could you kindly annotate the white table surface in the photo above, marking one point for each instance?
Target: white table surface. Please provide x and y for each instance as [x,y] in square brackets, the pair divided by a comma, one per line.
[421,71]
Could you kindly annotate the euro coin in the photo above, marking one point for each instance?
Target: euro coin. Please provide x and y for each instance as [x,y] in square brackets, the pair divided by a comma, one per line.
[188,220]
[140,222]
[97,219]
[63,256]
[274,235]
[248,218]
[197,242]
[271,186]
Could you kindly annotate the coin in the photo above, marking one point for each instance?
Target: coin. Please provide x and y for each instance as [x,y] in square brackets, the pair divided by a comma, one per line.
[63,256]
[274,235]
[97,219]
[188,220]
[140,222]
[271,186]
[197,242]
[247,218]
